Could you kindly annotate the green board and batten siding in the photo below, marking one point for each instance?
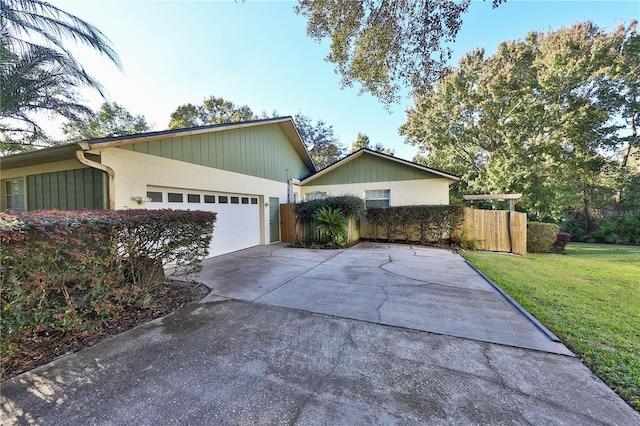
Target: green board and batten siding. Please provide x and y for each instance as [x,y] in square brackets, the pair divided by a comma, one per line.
[262,151]
[370,168]
[68,190]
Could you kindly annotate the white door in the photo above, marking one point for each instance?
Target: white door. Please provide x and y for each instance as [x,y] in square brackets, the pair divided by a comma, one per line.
[238,215]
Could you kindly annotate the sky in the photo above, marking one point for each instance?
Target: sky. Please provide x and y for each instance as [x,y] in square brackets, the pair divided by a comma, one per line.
[257,53]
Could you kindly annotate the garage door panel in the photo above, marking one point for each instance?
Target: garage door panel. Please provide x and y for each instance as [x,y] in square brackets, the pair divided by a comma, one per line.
[237,225]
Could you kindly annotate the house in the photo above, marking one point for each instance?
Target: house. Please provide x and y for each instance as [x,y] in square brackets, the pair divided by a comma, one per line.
[243,171]
[382,180]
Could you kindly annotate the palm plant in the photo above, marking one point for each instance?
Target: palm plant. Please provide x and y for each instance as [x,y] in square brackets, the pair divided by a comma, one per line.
[37,71]
[332,224]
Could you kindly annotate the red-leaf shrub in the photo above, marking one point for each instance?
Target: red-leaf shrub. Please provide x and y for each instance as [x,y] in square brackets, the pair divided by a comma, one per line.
[562,240]
[65,270]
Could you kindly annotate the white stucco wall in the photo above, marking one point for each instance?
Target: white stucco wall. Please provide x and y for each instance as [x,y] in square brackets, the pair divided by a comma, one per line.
[403,193]
[135,171]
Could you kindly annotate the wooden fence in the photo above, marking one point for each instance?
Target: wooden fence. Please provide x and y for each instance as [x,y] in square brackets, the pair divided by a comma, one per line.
[496,230]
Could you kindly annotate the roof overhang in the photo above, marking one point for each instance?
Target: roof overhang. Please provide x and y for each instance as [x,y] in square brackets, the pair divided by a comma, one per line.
[364,151]
[66,152]
[45,155]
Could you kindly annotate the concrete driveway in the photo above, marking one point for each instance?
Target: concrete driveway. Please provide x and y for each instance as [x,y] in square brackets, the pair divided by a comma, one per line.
[376,334]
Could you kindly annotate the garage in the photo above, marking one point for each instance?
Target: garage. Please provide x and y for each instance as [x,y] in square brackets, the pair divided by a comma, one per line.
[238,215]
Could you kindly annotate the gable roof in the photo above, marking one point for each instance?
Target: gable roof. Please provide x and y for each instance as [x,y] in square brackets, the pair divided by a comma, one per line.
[67,151]
[367,151]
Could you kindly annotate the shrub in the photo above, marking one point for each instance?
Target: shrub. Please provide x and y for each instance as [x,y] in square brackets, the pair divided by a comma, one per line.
[350,206]
[541,237]
[562,240]
[66,270]
[331,224]
[621,230]
[415,223]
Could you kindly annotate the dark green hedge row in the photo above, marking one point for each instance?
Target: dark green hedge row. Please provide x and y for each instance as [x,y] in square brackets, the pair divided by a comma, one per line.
[541,237]
[66,270]
[350,206]
[415,223]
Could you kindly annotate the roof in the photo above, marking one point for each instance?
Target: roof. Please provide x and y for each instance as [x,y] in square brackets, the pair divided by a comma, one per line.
[363,151]
[67,151]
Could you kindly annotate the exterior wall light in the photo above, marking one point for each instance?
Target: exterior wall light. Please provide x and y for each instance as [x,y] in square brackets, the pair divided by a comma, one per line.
[141,200]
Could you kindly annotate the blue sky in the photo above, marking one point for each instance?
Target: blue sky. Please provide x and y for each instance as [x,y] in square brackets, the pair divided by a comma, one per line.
[258,54]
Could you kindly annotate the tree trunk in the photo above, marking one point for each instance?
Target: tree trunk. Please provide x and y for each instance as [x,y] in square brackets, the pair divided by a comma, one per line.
[585,209]
[625,157]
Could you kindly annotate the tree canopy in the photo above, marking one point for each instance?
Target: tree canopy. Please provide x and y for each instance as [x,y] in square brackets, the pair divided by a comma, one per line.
[110,120]
[543,116]
[363,141]
[38,72]
[386,45]
[323,146]
[214,110]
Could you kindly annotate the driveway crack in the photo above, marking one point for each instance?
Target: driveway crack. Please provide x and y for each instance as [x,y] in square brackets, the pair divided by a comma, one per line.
[327,377]
[293,278]
[494,370]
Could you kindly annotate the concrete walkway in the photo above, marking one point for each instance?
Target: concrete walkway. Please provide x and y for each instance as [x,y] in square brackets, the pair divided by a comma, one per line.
[255,360]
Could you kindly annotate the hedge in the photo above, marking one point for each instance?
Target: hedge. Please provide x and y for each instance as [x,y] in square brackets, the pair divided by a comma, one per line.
[65,270]
[349,205]
[424,224]
[541,237]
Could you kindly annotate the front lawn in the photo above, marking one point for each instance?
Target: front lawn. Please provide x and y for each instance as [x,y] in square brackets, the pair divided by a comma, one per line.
[589,297]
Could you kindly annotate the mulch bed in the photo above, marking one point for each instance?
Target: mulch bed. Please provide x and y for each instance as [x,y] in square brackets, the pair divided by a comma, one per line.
[40,348]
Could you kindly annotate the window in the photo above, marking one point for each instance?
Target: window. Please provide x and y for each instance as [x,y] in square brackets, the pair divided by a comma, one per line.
[377,198]
[223,199]
[193,198]
[235,200]
[315,196]
[15,194]
[210,199]
[174,197]
[156,196]
[245,200]
[254,201]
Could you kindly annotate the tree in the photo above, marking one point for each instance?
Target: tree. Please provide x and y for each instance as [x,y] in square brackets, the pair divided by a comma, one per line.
[625,89]
[363,141]
[38,73]
[386,45]
[536,117]
[323,146]
[213,110]
[110,120]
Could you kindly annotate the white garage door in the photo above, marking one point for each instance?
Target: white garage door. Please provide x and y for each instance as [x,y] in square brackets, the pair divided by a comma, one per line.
[238,215]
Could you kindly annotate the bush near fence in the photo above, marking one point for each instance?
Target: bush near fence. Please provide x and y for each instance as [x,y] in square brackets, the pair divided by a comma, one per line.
[423,224]
[541,237]
[66,270]
[350,206]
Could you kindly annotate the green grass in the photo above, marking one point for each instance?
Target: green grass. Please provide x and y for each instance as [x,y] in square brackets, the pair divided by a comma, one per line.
[588,297]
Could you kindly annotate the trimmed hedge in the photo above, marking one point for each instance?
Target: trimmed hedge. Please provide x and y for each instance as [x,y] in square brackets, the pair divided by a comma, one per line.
[66,270]
[349,205]
[424,224]
[541,237]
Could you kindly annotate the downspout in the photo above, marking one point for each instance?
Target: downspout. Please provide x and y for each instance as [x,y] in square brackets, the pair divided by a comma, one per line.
[111,184]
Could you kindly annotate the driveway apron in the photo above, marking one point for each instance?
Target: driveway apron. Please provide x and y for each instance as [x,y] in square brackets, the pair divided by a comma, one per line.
[418,288]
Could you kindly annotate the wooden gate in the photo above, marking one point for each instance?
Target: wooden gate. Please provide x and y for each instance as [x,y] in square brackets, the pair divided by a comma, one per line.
[287,222]
[496,230]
